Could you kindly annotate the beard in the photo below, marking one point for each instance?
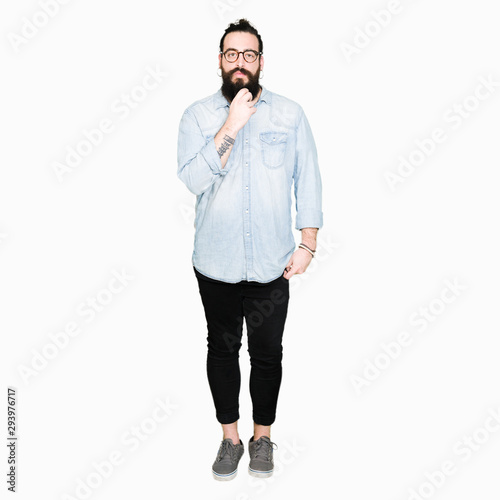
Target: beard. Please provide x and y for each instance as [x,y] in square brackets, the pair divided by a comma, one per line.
[230,88]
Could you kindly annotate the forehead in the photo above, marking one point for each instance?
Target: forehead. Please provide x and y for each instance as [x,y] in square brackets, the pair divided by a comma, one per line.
[240,40]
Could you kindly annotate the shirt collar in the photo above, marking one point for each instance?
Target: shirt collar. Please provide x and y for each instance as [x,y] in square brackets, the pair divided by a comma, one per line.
[221,101]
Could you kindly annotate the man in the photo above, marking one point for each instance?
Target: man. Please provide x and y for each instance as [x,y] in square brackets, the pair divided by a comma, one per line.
[239,151]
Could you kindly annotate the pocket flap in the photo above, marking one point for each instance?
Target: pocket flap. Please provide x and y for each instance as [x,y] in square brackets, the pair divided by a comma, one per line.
[273,137]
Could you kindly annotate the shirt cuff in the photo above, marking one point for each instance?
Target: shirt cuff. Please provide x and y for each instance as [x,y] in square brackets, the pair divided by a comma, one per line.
[309,218]
[211,156]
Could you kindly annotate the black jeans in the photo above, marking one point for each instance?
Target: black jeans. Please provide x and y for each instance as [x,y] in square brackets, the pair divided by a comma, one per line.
[264,308]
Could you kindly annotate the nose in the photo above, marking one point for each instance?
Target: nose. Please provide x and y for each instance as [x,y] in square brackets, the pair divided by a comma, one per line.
[241,60]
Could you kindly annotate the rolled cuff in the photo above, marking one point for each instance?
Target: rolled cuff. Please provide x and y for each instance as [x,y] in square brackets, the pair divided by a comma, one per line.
[309,218]
[211,156]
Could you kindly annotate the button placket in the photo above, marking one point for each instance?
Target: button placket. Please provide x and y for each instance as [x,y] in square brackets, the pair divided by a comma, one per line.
[246,206]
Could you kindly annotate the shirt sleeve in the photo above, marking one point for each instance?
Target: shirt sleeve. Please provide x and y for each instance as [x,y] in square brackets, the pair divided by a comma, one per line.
[198,162]
[307,178]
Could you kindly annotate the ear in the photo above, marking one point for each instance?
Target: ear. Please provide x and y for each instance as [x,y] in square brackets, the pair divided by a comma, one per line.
[220,61]
[261,62]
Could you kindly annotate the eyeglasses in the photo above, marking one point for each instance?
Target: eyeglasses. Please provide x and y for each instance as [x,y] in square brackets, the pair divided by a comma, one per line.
[232,55]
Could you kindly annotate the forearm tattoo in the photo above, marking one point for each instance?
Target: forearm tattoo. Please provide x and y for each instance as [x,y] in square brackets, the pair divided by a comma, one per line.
[227,142]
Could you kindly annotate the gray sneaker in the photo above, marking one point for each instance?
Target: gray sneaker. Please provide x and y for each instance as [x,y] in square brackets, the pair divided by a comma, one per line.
[261,457]
[225,466]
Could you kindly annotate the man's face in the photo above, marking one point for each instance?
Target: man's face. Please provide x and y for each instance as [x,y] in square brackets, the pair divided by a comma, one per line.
[240,74]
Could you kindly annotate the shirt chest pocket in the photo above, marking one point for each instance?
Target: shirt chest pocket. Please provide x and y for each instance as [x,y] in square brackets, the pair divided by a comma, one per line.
[273,148]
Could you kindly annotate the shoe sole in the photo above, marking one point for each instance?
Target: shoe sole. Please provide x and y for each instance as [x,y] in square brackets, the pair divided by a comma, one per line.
[260,473]
[224,477]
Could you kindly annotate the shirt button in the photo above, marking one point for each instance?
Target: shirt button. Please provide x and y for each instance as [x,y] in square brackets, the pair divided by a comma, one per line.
[246,141]
[248,234]
[246,187]
[246,164]
[246,211]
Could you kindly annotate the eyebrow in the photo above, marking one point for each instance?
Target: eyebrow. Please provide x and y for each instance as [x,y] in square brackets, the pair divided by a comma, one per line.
[232,48]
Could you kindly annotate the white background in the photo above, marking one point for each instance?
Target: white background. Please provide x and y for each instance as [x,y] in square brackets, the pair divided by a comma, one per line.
[384,253]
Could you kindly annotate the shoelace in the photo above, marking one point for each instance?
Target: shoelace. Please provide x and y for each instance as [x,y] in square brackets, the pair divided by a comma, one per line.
[226,448]
[263,449]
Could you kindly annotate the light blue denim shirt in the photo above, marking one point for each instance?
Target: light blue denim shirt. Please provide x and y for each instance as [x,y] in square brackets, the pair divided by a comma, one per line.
[243,223]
